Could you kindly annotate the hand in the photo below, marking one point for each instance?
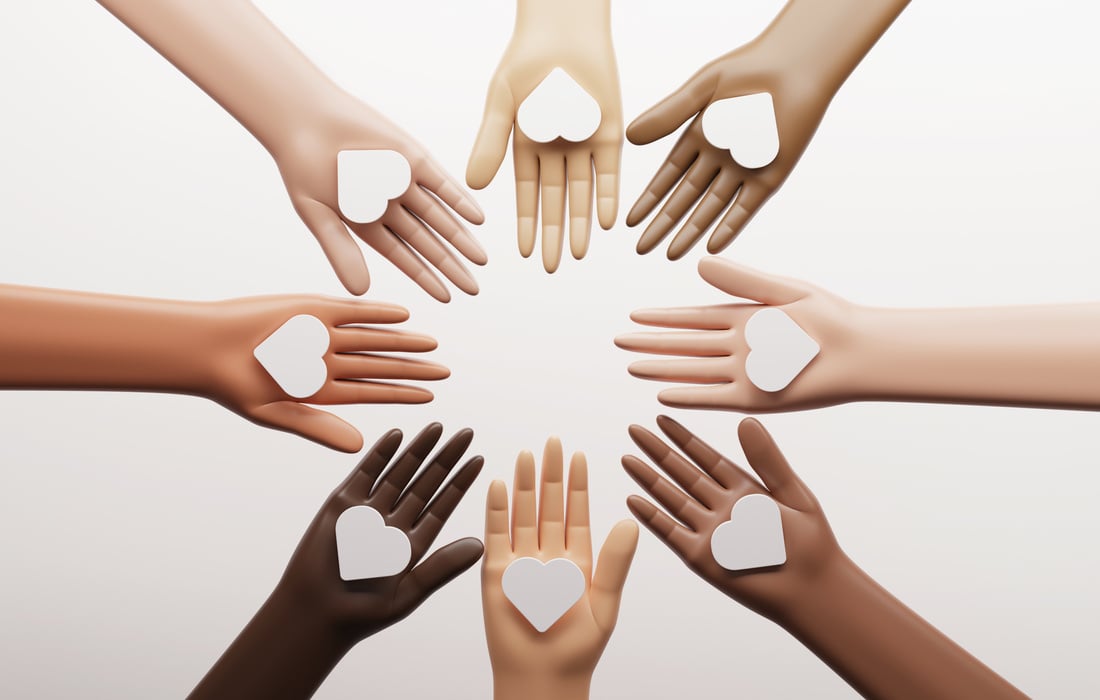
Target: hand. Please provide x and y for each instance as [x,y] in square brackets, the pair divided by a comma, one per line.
[566,654]
[707,174]
[714,339]
[409,233]
[241,384]
[708,487]
[545,172]
[418,506]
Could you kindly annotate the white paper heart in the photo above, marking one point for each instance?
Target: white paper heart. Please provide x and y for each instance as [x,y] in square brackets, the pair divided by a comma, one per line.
[294,355]
[559,107]
[367,180]
[746,127]
[778,349]
[367,547]
[753,536]
[543,592]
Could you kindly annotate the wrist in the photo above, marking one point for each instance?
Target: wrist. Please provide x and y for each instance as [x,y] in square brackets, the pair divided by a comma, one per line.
[563,18]
[541,686]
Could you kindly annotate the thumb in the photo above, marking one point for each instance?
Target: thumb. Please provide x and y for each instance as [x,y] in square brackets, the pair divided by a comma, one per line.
[492,139]
[747,283]
[340,248]
[310,423]
[668,114]
[442,567]
[614,564]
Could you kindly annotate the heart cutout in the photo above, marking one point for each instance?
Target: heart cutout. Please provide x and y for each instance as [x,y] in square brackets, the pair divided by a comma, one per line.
[368,180]
[752,537]
[746,127]
[778,349]
[543,591]
[294,355]
[559,108]
[368,548]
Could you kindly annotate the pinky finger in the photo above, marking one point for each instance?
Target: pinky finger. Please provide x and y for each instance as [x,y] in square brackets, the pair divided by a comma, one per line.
[719,397]
[437,181]
[607,159]
[678,538]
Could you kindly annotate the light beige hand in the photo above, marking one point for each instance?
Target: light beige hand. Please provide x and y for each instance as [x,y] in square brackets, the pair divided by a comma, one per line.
[557,663]
[801,59]
[574,35]
[1038,356]
[712,341]
[231,50]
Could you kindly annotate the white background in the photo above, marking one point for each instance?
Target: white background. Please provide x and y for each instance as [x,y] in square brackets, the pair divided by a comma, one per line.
[958,166]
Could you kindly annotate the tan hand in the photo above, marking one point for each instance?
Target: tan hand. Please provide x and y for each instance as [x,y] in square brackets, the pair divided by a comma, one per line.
[705,176]
[354,370]
[572,646]
[713,338]
[411,233]
[549,174]
[703,488]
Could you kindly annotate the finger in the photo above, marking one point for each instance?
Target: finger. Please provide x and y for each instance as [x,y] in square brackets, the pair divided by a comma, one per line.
[678,538]
[683,343]
[687,193]
[697,483]
[338,245]
[361,366]
[607,160]
[767,461]
[578,535]
[744,282]
[687,509]
[721,193]
[527,197]
[439,182]
[552,198]
[748,202]
[341,312]
[442,567]
[722,470]
[361,480]
[437,512]
[683,154]
[422,489]
[391,247]
[578,173]
[670,113]
[413,231]
[310,423]
[352,339]
[552,500]
[352,391]
[717,317]
[616,556]
[387,490]
[498,543]
[709,370]
[428,209]
[492,139]
[525,533]
[716,396]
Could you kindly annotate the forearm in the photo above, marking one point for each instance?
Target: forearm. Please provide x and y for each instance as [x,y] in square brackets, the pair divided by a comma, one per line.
[1044,356]
[531,687]
[235,54]
[830,37]
[283,654]
[55,339]
[882,648]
